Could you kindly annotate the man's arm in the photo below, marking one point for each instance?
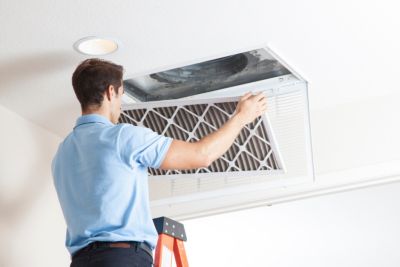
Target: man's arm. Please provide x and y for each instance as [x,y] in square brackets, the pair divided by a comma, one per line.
[185,155]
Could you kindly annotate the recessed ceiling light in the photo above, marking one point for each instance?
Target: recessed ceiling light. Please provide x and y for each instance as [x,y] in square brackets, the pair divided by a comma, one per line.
[95,46]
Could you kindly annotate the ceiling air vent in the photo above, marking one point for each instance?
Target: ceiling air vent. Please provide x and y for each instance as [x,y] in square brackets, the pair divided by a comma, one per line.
[189,101]
[254,149]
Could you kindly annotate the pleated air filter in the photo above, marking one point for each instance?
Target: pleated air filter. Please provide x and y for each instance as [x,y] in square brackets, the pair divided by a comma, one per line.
[254,150]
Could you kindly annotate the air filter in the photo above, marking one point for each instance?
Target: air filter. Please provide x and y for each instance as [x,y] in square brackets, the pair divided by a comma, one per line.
[254,150]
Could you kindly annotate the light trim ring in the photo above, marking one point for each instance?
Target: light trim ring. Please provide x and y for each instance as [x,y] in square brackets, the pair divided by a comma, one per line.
[95,46]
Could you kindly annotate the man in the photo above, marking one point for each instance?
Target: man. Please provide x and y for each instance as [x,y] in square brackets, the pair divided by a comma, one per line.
[100,169]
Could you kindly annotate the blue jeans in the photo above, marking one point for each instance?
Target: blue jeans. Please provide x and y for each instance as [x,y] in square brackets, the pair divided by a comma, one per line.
[113,257]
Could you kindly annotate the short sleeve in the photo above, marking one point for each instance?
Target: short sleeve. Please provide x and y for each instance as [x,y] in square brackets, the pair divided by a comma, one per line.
[143,145]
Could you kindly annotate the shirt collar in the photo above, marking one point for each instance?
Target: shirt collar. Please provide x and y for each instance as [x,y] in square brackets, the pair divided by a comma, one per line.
[92,118]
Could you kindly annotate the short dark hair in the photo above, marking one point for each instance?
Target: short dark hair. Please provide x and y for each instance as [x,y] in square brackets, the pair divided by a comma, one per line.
[92,78]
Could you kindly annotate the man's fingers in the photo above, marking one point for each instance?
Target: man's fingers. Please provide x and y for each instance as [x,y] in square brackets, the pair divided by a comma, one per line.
[262,111]
[246,95]
[259,96]
[262,101]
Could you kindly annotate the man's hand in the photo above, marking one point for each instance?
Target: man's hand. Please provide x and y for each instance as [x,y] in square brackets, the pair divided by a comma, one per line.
[251,106]
[185,155]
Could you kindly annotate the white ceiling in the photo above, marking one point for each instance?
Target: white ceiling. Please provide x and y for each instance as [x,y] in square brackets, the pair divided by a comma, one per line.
[347,50]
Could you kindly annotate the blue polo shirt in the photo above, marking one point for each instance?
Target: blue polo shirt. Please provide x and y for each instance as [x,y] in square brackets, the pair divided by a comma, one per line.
[100,175]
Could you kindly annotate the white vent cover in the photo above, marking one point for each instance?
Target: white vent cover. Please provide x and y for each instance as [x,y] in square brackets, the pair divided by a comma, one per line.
[253,150]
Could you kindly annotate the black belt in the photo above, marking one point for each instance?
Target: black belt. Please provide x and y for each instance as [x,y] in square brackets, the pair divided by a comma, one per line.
[125,244]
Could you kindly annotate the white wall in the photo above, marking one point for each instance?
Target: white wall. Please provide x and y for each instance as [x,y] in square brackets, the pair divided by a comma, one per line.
[354,228]
[32,228]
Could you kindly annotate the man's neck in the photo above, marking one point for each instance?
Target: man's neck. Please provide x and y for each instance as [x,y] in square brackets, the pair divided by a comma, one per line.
[99,111]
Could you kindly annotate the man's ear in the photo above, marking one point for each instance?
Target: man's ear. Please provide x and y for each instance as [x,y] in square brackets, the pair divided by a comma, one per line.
[109,92]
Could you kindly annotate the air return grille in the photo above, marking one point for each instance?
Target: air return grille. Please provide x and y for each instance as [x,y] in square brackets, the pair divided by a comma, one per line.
[253,150]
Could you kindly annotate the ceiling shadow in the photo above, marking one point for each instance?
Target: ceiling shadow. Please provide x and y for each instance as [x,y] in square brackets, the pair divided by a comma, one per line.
[26,67]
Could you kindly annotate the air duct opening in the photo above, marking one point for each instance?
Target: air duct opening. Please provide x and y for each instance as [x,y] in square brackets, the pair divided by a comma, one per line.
[207,76]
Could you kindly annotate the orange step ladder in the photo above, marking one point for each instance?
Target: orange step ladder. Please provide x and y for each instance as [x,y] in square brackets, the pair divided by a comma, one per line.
[170,248]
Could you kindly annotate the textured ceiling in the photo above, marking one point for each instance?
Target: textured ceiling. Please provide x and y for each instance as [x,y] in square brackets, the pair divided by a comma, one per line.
[347,50]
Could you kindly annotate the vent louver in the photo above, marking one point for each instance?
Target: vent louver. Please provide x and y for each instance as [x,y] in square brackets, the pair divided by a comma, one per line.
[253,150]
